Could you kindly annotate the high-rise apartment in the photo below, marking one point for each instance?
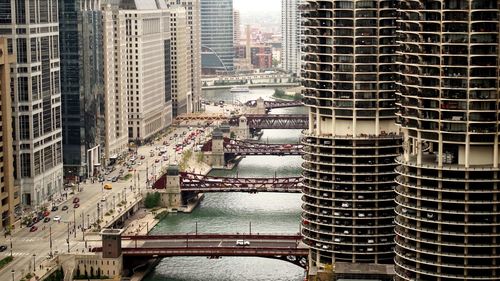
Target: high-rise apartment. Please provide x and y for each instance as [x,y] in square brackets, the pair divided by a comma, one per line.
[236,27]
[349,149]
[147,35]
[193,21]
[448,201]
[291,34]
[115,84]
[32,28]
[217,45]
[82,87]
[181,61]
[9,206]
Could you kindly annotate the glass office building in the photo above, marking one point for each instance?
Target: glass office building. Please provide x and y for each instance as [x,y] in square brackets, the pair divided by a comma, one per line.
[217,36]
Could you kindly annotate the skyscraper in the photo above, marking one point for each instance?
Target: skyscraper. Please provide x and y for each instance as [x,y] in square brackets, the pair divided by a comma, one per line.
[236,27]
[448,202]
[115,84]
[9,207]
[217,45]
[193,21]
[32,28]
[82,86]
[349,149]
[180,52]
[291,35]
[147,36]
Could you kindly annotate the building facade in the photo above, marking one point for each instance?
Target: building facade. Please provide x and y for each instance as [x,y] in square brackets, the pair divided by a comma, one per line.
[291,35]
[350,147]
[448,203]
[147,35]
[32,28]
[217,36]
[10,208]
[82,87]
[115,84]
[194,22]
[180,51]
[236,28]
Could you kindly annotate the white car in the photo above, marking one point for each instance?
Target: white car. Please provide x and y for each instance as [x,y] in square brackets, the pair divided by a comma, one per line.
[57,218]
[242,243]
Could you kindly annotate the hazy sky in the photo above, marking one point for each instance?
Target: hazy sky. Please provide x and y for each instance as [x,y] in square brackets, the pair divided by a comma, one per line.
[257,5]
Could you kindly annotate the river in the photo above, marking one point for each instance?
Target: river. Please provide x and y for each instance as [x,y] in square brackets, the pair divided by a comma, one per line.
[235,212]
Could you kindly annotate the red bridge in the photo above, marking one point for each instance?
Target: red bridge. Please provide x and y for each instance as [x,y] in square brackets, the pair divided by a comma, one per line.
[277,246]
[273,121]
[275,104]
[239,147]
[201,183]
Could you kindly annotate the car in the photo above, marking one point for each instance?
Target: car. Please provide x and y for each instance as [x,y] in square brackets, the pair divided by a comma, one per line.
[57,218]
[130,169]
[32,223]
[46,219]
[103,199]
[242,243]
[46,213]
[121,171]
[157,160]
[108,187]
[3,248]
[109,178]
[76,205]
[54,208]
[114,179]
[64,208]
[143,157]
[33,228]
[76,200]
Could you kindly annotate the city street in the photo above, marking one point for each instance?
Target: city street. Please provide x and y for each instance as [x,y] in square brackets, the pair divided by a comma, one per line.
[35,247]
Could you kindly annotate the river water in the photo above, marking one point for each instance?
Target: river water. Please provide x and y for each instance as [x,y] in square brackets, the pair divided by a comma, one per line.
[237,212]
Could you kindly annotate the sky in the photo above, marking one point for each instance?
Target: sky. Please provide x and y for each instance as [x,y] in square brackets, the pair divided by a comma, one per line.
[257,5]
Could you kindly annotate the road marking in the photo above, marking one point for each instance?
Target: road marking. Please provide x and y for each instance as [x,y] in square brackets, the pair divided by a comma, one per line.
[220,244]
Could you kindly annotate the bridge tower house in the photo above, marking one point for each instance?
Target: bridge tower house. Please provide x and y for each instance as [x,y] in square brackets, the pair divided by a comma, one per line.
[242,131]
[217,156]
[171,197]
[261,107]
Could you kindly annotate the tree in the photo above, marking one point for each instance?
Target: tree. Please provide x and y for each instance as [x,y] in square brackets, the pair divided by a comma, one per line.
[152,200]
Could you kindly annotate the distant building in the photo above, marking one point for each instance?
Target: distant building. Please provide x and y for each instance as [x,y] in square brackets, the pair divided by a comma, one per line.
[217,36]
[236,27]
[32,28]
[262,57]
[82,87]
[10,207]
[291,35]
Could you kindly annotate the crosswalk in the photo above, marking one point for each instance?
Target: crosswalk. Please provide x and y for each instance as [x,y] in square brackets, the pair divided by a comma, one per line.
[16,254]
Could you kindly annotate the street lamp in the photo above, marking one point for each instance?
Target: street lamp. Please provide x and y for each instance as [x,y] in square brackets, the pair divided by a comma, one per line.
[34,267]
[13,273]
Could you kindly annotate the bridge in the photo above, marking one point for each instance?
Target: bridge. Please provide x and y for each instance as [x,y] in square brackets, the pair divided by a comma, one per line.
[275,104]
[285,247]
[273,121]
[202,183]
[240,147]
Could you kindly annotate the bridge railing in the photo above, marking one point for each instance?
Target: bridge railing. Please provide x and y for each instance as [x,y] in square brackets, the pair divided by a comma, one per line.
[201,236]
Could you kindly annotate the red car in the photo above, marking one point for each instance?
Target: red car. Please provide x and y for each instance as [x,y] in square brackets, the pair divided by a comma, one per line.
[76,205]
[157,160]
[76,200]
[33,228]
[46,213]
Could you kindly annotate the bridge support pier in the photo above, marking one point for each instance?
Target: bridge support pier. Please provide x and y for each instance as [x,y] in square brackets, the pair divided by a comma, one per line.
[217,156]
[261,107]
[242,131]
[171,196]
